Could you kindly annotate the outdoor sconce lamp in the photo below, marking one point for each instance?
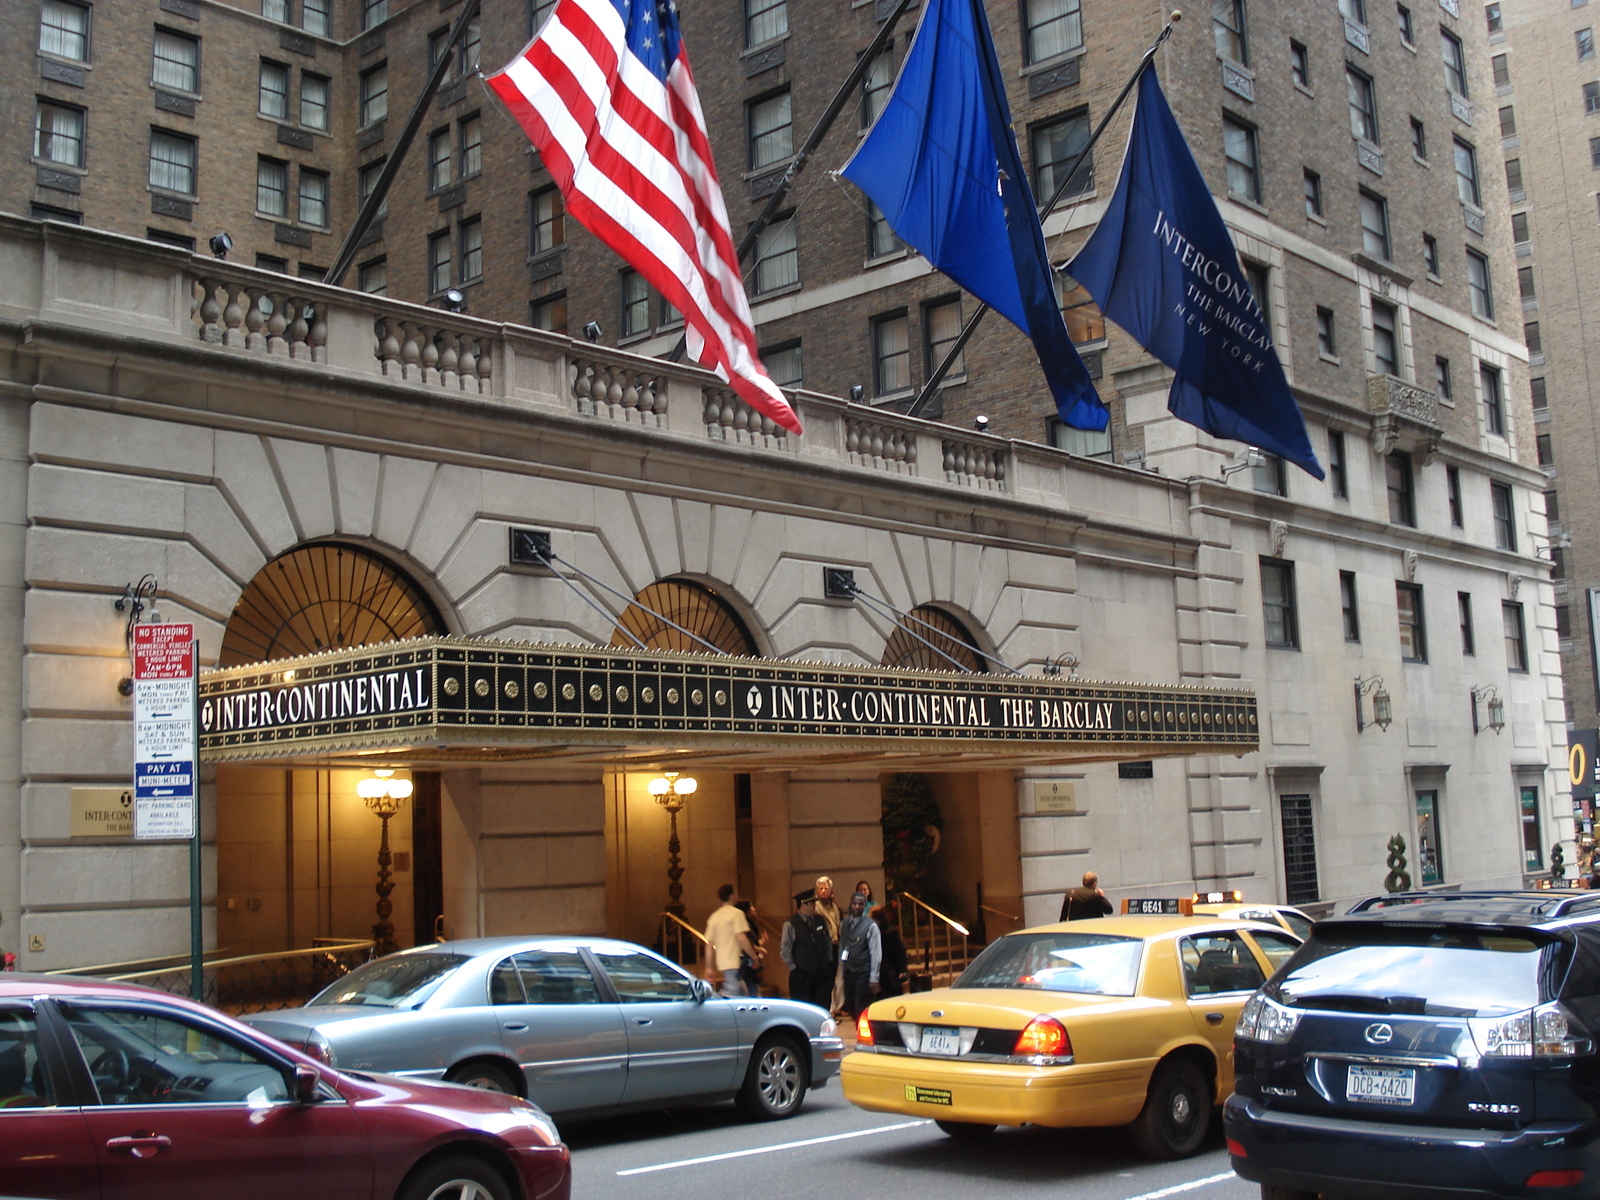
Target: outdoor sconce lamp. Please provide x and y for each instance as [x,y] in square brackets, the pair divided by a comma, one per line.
[1494,709]
[672,792]
[135,597]
[385,796]
[1382,706]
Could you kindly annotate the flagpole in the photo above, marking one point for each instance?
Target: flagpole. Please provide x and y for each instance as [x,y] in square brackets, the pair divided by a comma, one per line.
[814,139]
[1045,210]
[391,168]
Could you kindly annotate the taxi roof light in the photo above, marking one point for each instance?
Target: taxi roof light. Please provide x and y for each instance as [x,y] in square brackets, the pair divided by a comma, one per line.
[1233,897]
[863,1031]
[1044,1037]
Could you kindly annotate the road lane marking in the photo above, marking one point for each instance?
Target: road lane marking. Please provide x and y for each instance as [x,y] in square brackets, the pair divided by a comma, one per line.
[816,1141]
[1183,1187]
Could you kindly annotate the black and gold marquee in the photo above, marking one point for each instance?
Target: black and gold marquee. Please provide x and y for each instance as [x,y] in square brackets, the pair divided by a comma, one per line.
[438,700]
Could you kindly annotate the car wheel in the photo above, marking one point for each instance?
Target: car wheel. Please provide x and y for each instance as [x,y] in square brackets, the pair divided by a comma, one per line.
[485,1075]
[775,1082]
[459,1178]
[1268,1192]
[970,1131]
[1177,1112]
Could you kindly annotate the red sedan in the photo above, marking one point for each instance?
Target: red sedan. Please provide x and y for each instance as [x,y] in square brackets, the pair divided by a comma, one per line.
[110,1090]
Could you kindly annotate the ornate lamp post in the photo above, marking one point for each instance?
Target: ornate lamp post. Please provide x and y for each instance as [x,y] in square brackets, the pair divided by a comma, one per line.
[385,796]
[672,792]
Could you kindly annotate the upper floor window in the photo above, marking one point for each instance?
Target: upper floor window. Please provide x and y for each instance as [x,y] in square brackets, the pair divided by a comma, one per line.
[1501,66]
[1385,340]
[777,255]
[1413,629]
[172,162]
[1239,147]
[1363,105]
[1085,321]
[1282,626]
[1494,408]
[1455,62]
[272,187]
[765,20]
[64,30]
[1419,139]
[1313,190]
[273,92]
[1514,174]
[876,85]
[1354,10]
[1086,443]
[941,326]
[1452,488]
[439,262]
[314,16]
[367,182]
[1326,344]
[1348,606]
[1407,30]
[1299,64]
[1516,636]
[275,10]
[471,131]
[1053,27]
[1338,469]
[891,354]
[471,250]
[1430,254]
[1402,488]
[1467,174]
[439,159]
[1374,224]
[373,13]
[784,365]
[58,134]
[1055,145]
[1478,285]
[771,129]
[1441,378]
[548,216]
[881,238]
[1493,19]
[314,197]
[175,61]
[1270,474]
[375,94]
[314,101]
[373,277]
[1228,29]
[1505,522]
[1591,97]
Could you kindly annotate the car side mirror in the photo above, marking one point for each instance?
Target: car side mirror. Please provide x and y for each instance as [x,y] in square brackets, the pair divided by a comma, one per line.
[307,1083]
[701,990]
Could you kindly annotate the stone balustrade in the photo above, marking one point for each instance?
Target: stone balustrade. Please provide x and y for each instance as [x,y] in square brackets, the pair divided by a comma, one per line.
[435,355]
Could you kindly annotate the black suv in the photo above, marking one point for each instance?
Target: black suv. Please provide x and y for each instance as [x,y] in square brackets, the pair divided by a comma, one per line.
[1423,1046]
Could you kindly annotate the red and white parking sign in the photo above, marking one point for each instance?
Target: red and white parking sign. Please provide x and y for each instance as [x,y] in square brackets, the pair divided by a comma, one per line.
[163,652]
[164,751]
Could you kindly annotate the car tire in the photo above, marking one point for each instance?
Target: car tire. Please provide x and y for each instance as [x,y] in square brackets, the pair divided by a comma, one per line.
[776,1080]
[1268,1192]
[967,1131]
[1177,1112]
[459,1177]
[488,1076]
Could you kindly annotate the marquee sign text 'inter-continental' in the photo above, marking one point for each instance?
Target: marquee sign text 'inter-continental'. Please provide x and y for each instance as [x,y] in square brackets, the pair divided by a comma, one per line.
[324,700]
[832,706]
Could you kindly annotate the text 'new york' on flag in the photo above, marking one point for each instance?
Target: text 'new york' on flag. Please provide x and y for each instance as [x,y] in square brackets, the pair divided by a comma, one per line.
[942,165]
[1161,265]
[604,91]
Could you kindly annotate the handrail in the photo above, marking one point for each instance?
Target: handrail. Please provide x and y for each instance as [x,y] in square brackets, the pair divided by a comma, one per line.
[950,921]
[999,912]
[679,920]
[353,944]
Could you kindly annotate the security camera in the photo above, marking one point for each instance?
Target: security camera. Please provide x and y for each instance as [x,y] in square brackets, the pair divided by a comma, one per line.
[592,331]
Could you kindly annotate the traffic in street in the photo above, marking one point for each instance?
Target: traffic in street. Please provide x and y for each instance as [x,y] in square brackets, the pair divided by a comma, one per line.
[833,1149]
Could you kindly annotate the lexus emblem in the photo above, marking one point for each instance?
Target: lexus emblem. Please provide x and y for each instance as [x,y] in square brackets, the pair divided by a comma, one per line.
[1380,1033]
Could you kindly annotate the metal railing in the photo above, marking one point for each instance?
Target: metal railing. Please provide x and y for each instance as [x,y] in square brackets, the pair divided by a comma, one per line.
[939,943]
[246,983]
[680,941]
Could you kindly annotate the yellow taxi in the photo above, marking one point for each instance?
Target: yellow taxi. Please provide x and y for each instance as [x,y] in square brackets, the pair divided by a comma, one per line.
[1124,1020]
[1234,907]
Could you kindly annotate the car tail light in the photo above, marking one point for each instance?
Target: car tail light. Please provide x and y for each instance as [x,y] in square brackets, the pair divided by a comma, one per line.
[1554,1179]
[1237,1149]
[1548,1031]
[1265,1021]
[1043,1038]
[318,1048]
[863,1032]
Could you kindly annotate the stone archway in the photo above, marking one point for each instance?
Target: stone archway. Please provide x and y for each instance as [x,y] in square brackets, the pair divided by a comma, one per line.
[696,607]
[931,642]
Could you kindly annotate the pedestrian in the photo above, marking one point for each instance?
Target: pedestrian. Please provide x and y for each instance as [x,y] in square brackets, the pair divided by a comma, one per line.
[892,974]
[1086,901]
[807,950]
[750,968]
[865,889]
[828,910]
[860,957]
[728,933]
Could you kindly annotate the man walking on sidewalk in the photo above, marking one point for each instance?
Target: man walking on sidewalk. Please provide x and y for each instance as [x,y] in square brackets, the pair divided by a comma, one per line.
[1086,901]
[729,934]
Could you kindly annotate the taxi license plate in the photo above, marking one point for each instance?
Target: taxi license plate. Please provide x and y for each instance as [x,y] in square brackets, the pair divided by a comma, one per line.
[941,1041]
[1381,1085]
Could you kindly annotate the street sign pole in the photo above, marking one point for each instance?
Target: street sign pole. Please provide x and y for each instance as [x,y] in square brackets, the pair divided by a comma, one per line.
[196,930]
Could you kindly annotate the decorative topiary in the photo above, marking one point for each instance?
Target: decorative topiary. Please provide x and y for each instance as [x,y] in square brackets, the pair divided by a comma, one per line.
[1398,879]
[911,824]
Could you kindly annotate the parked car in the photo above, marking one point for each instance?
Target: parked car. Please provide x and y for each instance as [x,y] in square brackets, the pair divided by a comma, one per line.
[1118,1021]
[1234,907]
[110,1090]
[581,1026]
[1425,1046]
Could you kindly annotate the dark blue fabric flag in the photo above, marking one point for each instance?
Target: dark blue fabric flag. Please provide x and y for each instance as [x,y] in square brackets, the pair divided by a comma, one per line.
[1162,266]
[941,163]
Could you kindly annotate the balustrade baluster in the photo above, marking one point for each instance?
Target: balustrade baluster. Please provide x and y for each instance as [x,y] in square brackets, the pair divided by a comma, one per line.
[255,322]
[210,311]
[277,322]
[448,360]
[233,316]
[388,346]
[430,355]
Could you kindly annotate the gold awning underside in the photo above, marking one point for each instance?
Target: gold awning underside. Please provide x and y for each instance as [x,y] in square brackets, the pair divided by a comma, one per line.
[437,702]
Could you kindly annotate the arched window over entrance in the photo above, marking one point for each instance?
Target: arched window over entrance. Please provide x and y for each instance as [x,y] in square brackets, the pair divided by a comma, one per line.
[693,606]
[947,633]
[323,597]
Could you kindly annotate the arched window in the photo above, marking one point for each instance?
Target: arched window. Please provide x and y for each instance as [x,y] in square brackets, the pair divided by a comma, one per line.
[324,597]
[947,633]
[693,606]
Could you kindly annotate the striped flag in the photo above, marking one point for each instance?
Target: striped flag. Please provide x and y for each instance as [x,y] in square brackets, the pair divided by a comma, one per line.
[604,91]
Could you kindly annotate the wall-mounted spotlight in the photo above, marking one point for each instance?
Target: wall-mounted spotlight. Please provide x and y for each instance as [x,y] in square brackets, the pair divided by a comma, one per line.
[981,423]
[856,392]
[455,300]
[1494,716]
[1252,458]
[1382,706]
[221,243]
[592,331]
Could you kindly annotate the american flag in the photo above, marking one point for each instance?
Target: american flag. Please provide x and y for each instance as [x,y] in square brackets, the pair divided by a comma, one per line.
[604,91]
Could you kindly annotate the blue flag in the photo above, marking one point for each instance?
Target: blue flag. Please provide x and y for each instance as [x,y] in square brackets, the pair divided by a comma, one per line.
[941,163]
[1162,266]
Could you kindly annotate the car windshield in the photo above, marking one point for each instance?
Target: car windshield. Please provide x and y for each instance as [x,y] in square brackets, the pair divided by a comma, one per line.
[1419,972]
[1093,963]
[400,981]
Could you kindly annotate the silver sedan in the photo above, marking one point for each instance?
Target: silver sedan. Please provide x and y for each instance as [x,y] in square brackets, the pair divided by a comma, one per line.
[580,1026]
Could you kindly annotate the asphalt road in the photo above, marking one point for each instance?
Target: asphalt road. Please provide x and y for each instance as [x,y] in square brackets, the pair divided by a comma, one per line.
[834,1151]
